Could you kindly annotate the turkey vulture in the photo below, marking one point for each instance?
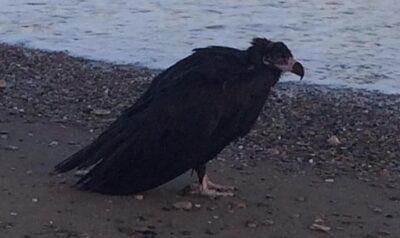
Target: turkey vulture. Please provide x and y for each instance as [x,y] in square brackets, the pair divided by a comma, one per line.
[189,113]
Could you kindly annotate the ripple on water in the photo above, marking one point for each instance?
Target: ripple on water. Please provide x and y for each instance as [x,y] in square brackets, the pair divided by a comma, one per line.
[340,42]
[214,27]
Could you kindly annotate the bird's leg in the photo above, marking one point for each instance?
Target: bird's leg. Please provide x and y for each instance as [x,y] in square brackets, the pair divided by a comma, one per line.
[208,188]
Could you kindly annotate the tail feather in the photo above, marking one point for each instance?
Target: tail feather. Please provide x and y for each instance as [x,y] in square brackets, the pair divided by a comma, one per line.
[94,152]
[74,160]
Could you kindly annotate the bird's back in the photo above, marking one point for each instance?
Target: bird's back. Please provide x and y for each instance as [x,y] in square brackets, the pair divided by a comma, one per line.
[190,112]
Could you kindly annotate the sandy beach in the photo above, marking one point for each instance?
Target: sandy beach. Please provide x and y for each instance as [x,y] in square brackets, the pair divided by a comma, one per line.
[320,162]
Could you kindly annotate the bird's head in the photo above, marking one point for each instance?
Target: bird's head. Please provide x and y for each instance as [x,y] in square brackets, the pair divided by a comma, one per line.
[275,54]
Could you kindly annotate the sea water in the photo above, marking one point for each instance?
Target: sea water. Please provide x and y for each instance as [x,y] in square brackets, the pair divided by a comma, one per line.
[343,43]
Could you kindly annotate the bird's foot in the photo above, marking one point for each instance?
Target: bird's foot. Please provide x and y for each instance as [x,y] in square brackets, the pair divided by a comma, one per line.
[208,192]
[210,189]
[215,186]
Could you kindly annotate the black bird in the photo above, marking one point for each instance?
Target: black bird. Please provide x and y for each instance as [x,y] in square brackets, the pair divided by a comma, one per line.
[190,112]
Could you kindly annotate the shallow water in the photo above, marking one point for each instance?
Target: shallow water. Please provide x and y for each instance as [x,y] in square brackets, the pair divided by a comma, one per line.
[346,43]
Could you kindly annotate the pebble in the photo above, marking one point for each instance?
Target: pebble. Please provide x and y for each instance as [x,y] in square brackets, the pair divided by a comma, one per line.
[11,147]
[251,224]
[329,180]
[320,227]
[377,210]
[53,143]
[241,204]
[35,200]
[183,205]
[101,112]
[273,151]
[334,141]
[268,222]
[3,84]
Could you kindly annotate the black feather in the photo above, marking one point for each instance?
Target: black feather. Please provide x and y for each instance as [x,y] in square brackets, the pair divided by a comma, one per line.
[190,112]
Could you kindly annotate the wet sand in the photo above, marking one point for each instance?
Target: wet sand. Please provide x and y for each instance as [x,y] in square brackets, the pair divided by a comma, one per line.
[291,181]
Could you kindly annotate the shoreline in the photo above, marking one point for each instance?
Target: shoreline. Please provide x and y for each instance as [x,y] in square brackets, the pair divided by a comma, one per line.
[291,181]
[91,94]
[109,64]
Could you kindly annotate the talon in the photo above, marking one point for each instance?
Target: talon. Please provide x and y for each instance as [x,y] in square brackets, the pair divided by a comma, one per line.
[216,186]
[208,188]
[200,190]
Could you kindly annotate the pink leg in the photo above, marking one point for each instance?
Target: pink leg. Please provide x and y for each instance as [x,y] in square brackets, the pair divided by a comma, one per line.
[208,188]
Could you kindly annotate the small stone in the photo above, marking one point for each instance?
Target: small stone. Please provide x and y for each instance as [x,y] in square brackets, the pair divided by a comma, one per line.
[241,205]
[3,83]
[35,200]
[13,213]
[251,224]
[334,141]
[11,147]
[139,197]
[329,180]
[273,151]
[197,205]
[183,205]
[377,210]
[101,112]
[53,143]
[268,222]
[240,147]
[320,227]
[319,221]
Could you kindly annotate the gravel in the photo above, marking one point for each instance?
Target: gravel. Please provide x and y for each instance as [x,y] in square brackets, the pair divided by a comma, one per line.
[334,131]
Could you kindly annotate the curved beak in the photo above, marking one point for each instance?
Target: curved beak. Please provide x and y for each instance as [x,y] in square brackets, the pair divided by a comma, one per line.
[298,69]
[292,66]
